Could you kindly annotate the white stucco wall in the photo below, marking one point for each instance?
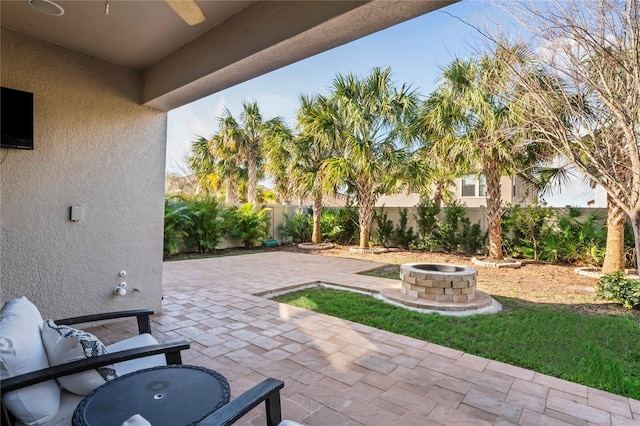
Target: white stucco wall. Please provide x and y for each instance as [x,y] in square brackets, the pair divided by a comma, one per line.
[97,147]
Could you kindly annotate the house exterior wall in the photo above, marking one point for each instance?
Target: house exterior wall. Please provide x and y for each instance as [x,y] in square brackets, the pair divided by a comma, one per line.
[96,147]
[522,195]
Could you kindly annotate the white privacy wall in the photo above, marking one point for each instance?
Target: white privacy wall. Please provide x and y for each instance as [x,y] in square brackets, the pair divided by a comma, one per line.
[95,147]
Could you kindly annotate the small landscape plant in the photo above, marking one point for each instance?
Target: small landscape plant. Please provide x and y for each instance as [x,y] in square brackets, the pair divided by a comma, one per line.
[297,228]
[616,288]
[384,229]
[402,235]
[248,224]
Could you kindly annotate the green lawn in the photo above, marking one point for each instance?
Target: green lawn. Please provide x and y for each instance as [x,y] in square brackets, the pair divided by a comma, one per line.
[595,350]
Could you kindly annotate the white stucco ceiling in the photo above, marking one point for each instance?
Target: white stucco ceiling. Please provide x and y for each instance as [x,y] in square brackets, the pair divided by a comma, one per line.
[239,39]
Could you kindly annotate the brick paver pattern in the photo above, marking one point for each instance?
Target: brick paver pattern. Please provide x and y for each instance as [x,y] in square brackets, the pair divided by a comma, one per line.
[337,372]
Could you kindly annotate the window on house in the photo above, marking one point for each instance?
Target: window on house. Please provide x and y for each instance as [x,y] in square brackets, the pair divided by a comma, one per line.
[469,186]
[482,186]
[474,186]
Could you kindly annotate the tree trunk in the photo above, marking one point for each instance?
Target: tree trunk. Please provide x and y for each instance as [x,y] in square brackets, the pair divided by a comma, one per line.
[252,170]
[316,237]
[635,224]
[614,256]
[232,190]
[365,209]
[437,194]
[494,209]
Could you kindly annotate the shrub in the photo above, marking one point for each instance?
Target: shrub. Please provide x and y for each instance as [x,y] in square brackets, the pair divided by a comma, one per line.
[330,226]
[472,239]
[176,221]
[426,218]
[449,233]
[206,226]
[384,228]
[403,236]
[526,227]
[348,222]
[298,227]
[247,224]
[616,288]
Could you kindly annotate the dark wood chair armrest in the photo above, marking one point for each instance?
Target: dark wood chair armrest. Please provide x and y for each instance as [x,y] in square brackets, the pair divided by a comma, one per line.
[170,350]
[267,391]
[142,315]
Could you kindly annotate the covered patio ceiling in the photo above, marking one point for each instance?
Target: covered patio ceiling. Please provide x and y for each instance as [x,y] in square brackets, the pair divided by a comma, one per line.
[238,40]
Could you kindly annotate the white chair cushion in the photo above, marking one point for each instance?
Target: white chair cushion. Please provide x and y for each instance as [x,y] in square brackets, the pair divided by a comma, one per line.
[66,344]
[138,341]
[21,351]
[68,402]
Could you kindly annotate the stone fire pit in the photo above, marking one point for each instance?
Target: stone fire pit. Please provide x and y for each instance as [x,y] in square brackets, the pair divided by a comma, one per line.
[442,283]
[439,287]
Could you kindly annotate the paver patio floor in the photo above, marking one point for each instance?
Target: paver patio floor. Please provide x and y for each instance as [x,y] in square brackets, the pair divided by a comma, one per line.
[337,372]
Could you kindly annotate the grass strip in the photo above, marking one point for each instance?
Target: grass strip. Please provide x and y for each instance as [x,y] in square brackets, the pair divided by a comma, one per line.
[595,350]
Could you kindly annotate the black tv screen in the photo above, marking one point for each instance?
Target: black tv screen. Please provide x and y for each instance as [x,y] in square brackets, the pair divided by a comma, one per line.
[16,119]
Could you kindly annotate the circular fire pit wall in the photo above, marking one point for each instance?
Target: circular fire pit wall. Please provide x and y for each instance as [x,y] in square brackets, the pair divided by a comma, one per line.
[438,282]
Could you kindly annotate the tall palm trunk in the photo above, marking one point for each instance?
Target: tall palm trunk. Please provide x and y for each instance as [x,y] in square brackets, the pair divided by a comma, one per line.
[232,190]
[365,209]
[614,256]
[494,207]
[252,181]
[316,237]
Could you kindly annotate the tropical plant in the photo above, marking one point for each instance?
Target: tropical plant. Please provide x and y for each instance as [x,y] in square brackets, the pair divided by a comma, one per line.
[616,288]
[176,221]
[347,223]
[426,219]
[245,137]
[296,227]
[206,227]
[526,226]
[384,228]
[370,123]
[450,229]
[202,163]
[468,119]
[247,224]
[403,236]
[330,225]
[309,152]
[574,238]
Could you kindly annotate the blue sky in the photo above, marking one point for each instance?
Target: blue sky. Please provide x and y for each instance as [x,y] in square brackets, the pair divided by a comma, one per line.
[415,50]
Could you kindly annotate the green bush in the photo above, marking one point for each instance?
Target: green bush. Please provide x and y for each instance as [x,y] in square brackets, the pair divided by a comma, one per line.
[330,226]
[403,236]
[523,229]
[426,218]
[206,226]
[348,223]
[472,239]
[449,230]
[616,288]
[384,228]
[298,227]
[248,224]
[176,221]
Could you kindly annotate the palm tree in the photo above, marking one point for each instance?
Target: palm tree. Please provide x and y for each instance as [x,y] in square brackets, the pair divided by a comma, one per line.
[245,138]
[370,124]
[202,163]
[471,123]
[277,153]
[310,151]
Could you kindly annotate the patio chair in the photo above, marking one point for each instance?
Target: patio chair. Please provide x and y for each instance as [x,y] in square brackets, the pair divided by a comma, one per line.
[31,382]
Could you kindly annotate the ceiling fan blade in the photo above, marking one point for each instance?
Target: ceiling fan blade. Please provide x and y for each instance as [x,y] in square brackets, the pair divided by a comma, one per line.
[188,10]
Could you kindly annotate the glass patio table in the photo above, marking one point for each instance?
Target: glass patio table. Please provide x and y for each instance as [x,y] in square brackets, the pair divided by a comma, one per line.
[168,395]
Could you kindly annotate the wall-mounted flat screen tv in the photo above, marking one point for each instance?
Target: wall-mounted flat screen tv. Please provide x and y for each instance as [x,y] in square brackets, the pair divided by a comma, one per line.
[16,119]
